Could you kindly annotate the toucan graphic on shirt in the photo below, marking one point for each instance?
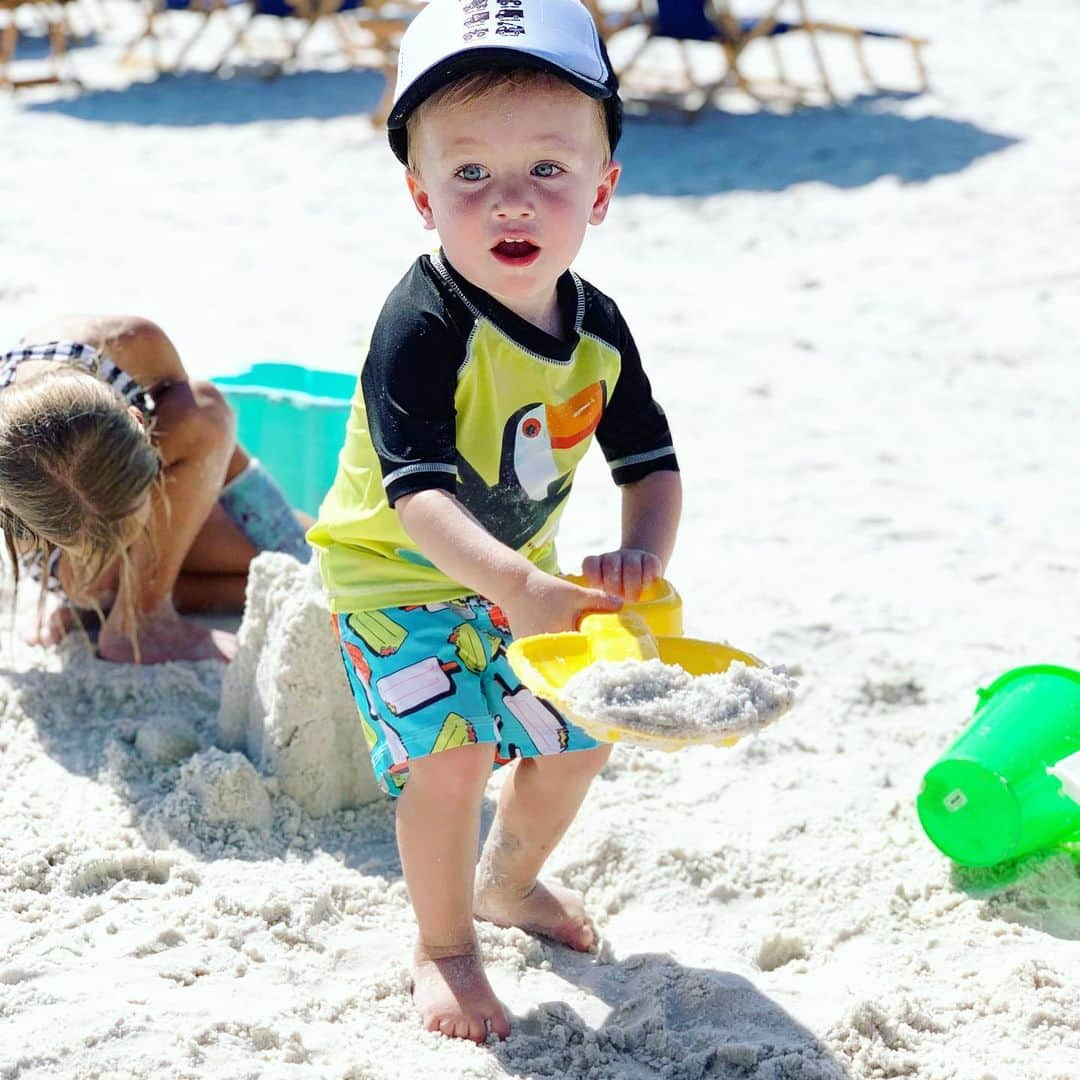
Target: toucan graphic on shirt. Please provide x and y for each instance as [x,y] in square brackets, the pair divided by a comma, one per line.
[530,485]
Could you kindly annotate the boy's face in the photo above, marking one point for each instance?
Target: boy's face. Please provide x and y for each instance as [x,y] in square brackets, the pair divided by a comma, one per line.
[510,180]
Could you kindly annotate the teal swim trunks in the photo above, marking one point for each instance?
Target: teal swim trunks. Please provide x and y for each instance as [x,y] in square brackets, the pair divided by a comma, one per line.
[434,677]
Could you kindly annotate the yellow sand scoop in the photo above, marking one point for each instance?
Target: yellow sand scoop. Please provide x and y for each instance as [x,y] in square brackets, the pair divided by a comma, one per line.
[650,628]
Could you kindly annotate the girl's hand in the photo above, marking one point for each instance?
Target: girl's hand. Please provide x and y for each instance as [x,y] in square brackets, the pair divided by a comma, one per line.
[623,573]
[163,635]
[549,605]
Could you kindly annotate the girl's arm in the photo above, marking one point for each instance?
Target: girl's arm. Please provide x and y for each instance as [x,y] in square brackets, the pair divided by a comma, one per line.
[194,430]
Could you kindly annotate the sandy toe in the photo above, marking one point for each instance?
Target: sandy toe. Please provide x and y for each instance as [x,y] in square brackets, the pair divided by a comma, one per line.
[453,996]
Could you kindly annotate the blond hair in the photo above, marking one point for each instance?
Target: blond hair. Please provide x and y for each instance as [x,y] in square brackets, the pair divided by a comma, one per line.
[477,84]
[75,465]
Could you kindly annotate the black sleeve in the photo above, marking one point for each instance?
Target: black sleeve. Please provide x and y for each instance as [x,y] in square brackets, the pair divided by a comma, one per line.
[408,382]
[633,432]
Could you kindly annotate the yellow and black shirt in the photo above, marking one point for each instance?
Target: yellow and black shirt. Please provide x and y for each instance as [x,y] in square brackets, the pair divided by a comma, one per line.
[459,393]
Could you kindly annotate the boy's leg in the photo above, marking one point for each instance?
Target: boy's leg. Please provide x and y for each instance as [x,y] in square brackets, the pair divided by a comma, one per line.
[438,833]
[540,798]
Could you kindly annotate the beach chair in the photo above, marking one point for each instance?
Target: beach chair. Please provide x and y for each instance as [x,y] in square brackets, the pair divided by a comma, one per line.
[610,20]
[207,10]
[714,21]
[51,13]
[367,31]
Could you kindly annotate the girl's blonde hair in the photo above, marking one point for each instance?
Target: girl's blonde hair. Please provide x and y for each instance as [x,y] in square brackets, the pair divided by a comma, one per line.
[75,464]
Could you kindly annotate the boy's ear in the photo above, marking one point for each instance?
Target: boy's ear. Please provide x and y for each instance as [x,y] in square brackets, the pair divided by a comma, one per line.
[420,198]
[605,189]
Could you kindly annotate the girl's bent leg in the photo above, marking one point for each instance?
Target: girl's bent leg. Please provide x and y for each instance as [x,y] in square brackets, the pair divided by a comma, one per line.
[538,802]
[438,833]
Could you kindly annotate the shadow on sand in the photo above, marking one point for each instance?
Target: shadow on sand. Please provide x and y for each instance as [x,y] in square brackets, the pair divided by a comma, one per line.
[1041,892]
[665,1020]
[845,147]
[194,98]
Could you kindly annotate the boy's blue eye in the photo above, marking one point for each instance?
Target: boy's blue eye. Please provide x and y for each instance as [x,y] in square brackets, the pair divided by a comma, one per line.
[472,172]
[546,168]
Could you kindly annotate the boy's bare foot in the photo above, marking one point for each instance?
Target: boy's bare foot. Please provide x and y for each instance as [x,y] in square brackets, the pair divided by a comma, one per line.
[552,911]
[453,995]
[166,636]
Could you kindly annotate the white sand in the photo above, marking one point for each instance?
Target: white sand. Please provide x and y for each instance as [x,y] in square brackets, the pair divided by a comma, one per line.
[863,327]
[653,698]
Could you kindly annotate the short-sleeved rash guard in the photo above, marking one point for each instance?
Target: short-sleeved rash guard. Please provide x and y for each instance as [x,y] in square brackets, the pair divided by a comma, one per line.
[461,394]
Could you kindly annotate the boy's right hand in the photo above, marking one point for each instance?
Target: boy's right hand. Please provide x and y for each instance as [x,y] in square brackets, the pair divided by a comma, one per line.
[546,604]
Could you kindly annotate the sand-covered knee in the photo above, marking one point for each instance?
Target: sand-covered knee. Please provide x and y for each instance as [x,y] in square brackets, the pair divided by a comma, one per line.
[285,699]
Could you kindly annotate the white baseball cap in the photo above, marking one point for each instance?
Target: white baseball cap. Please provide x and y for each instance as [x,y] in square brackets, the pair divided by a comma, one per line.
[451,38]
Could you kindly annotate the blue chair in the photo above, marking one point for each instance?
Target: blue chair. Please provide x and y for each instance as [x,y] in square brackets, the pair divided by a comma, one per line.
[689,21]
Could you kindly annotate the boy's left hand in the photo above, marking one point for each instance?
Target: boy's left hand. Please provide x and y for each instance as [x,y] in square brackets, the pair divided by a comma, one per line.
[624,572]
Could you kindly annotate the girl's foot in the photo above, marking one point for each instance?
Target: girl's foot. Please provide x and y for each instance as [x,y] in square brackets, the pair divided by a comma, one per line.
[453,995]
[165,636]
[552,911]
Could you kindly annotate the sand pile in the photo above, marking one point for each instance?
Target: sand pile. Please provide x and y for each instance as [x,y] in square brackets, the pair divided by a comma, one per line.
[285,699]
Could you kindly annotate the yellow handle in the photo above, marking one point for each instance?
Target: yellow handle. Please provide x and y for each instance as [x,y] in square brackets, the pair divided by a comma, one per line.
[621,635]
[659,605]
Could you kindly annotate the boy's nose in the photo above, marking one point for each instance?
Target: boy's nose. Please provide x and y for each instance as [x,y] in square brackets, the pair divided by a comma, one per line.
[513,203]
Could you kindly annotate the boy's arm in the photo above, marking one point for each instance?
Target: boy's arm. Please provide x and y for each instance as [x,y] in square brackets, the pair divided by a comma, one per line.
[651,508]
[535,602]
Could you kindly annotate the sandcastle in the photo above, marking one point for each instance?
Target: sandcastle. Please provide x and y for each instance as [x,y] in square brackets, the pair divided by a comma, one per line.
[285,699]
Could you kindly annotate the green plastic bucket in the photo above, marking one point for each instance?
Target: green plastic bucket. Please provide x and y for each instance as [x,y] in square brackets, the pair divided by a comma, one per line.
[989,798]
[292,418]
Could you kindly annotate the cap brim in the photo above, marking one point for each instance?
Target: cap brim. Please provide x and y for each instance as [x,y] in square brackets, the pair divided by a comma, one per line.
[483,58]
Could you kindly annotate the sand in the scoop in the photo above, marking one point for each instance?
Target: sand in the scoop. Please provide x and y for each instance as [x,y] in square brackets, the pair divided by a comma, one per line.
[652,697]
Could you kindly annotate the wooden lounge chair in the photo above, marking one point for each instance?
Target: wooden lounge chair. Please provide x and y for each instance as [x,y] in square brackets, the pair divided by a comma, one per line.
[368,31]
[54,16]
[696,21]
[234,10]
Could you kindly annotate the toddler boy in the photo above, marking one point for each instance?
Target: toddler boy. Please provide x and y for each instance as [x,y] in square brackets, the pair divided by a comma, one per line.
[491,367]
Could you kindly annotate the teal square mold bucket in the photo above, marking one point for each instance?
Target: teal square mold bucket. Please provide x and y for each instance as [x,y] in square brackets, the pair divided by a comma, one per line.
[292,418]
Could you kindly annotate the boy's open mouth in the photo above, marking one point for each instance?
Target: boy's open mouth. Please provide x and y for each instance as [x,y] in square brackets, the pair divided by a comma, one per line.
[515,252]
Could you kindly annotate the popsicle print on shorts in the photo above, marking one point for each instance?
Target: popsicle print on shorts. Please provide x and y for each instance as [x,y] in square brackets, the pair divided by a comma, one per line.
[434,677]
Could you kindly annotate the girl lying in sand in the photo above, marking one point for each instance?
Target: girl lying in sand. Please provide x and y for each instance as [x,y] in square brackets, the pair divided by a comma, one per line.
[122,489]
